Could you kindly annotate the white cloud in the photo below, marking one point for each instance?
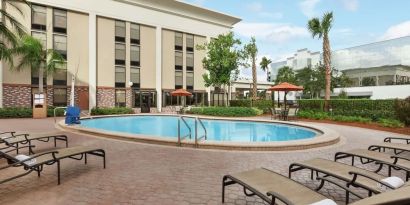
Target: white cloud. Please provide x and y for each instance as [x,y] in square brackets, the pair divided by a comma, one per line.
[351,5]
[277,33]
[258,8]
[396,31]
[308,7]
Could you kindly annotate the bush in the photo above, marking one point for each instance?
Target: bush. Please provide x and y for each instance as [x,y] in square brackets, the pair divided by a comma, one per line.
[111,111]
[263,105]
[50,112]
[309,114]
[402,108]
[390,123]
[226,111]
[16,112]
[342,118]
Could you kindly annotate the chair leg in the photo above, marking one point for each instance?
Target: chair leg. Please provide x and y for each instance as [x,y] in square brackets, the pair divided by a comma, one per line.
[58,172]
[85,158]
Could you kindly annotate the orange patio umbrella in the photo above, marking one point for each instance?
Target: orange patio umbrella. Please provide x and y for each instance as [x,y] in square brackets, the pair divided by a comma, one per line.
[180,92]
[286,87]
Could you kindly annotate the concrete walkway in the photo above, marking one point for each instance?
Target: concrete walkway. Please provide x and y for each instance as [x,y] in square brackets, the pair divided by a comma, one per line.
[153,174]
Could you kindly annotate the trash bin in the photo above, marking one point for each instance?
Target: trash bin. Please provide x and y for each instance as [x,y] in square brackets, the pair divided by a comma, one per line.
[72,115]
[39,106]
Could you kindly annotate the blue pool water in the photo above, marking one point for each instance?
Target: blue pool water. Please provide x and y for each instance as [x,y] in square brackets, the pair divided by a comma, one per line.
[218,130]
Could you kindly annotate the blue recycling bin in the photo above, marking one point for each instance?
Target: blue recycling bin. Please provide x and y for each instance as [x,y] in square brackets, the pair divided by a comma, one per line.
[72,115]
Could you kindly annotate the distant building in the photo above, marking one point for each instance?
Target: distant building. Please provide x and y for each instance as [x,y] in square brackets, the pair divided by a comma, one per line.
[383,63]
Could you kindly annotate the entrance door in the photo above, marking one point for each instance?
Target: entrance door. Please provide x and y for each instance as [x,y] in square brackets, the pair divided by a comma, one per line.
[145,102]
[83,100]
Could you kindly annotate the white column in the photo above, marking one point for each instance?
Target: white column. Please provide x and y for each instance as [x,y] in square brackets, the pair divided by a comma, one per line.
[92,55]
[158,66]
[208,89]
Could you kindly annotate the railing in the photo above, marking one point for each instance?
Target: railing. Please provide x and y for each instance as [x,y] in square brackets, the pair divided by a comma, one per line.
[197,119]
[181,118]
[55,109]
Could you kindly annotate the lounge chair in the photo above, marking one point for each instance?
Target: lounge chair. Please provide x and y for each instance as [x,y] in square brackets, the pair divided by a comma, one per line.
[16,138]
[399,196]
[405,138]
[396,147]
[380,158]
[352,176]
[36,162]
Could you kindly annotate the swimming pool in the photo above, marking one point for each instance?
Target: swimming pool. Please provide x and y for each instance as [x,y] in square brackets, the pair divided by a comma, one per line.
[217,130]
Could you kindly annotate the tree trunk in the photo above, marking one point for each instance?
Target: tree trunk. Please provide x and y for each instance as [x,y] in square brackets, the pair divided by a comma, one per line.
[40,79]
[255,79]
[326,58]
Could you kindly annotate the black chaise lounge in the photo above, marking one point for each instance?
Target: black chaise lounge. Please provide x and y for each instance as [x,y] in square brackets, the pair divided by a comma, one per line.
[37,161]
[16,138]
[273,187]
[396,147]
[405,138]
[352,176]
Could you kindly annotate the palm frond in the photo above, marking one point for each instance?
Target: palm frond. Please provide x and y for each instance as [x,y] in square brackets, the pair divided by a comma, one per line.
[14,23]
[327,22]
[55,61]
[315,27]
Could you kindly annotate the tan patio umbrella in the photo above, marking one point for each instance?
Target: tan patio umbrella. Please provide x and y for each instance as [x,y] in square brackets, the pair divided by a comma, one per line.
[286,87]
[180,92]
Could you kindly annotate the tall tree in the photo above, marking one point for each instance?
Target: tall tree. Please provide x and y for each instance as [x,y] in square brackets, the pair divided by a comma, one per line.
[321,28]
[35,56]
[251,52]
[10,28]
[222,60]
[285,74]
[265,62]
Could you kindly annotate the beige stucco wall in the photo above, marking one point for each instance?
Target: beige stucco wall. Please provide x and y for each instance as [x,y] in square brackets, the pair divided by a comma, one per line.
[10,75]
[148,45]
[77,49]
[199,70]
[105,52]
[168,59]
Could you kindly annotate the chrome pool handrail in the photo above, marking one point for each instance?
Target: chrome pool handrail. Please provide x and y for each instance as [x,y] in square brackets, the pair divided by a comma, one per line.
[197,119]
[179,130]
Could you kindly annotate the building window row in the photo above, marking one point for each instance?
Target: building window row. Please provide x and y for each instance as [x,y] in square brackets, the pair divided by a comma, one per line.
[179,60]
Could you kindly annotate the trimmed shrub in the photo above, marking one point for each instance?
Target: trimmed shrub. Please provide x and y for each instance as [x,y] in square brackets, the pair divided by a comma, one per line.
[50,112]
[402,108]
[226,111]
[263,105]
[390,123]
[112,111]
[16,112]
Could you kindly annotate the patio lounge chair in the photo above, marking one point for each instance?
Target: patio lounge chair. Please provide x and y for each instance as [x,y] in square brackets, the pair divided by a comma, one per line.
[352,176]
[36,162]
[405,138]
[380,158]
[17,138]
[396,147]
[271,187]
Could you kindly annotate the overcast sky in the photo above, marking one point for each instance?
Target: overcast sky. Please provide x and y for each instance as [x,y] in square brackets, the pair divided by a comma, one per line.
[280,25]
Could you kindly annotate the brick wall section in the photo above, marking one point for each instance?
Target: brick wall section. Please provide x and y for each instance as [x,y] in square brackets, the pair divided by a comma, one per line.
[105,97]
[77,90]
[16,95]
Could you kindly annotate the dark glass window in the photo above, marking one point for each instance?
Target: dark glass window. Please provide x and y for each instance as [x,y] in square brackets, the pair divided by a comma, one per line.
[135,77]
[119,54]
[135,55]
[60,21]
[39,17]
[120,98]
[190,62]
[60,45]
[120,76]
[178,60]
[178,79]
[179,41]
[60,97]
[60,77]
[120,31]
[190,43]
[135,34]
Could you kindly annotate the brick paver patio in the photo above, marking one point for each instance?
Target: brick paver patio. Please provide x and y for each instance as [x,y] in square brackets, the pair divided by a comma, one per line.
[152,174]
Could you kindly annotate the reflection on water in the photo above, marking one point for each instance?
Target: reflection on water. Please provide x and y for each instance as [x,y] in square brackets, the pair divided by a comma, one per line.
[218,130]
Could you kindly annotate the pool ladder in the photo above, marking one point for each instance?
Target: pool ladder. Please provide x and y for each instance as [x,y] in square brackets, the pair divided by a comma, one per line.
[197,138]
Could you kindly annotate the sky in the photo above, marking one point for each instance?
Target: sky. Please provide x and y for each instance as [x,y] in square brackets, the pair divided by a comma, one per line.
[280,25]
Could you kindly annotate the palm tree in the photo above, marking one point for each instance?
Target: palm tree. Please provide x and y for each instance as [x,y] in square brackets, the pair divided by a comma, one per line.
[10,28]
[321,29]
[251,51]
[34,55]
[265,62]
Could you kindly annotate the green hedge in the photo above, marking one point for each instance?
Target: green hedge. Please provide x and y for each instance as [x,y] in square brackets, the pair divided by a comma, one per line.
[373,109]
[226,111]
[402,108]
[263,105]
[16,112]
[59,112]
[111,111]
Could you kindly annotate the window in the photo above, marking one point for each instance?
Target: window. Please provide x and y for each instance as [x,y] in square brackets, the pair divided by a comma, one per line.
[120,31]
[178,60]
[60,77]
[60,21]
[60,45]
[135,77]
[60,97]
[190,62]
[190,81]
[120,98]
[179,42]
[40,36]
[135,55]
[35,79]
[119,54]
[38,17]
[120,76]
[135,34]
[190,43]
[178,79]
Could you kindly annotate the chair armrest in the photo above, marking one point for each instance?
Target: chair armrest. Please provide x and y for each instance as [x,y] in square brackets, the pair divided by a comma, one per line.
[276,195]
[355,174]
[396,158]
[28,159]
[339,185]
[15,148]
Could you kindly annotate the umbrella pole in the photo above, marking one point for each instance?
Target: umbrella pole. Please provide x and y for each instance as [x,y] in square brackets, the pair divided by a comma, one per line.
[278,100]
[285,98]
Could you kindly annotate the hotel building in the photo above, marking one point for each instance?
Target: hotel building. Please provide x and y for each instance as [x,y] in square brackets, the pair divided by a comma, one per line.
[129,53]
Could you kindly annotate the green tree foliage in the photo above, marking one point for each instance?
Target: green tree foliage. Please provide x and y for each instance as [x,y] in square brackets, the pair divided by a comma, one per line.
[285,74]
[33,55]
[368,81]
[250,53]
